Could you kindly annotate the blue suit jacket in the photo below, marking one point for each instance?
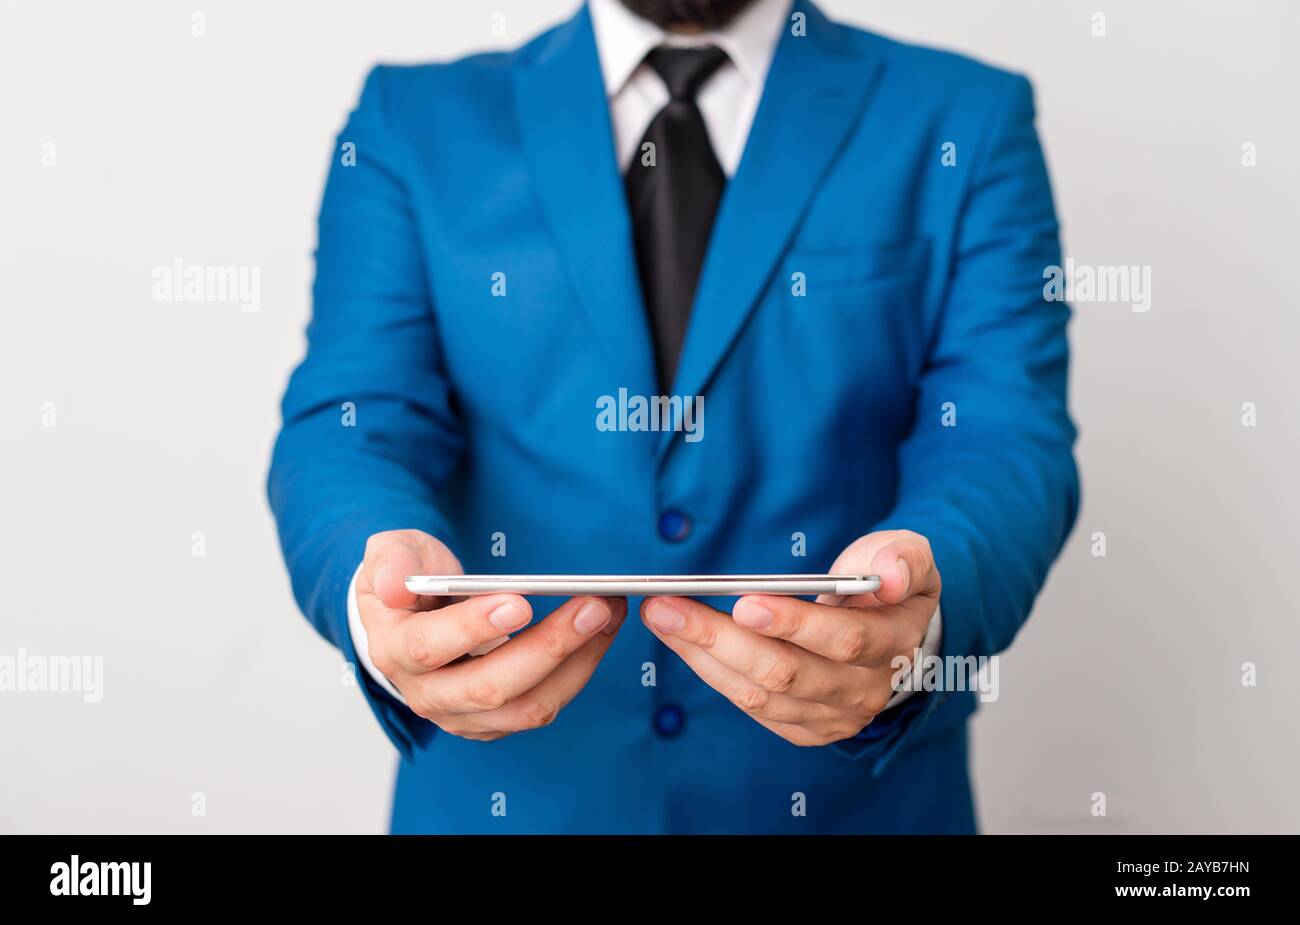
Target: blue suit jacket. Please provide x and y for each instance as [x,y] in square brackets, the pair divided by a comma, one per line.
[475,413]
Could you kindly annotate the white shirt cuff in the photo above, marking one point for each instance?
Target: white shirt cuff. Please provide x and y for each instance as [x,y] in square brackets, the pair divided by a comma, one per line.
[361,642]
[929,646]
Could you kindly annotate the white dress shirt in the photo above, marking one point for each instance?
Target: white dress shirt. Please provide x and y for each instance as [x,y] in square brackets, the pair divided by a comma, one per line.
[728,99]
[728,102]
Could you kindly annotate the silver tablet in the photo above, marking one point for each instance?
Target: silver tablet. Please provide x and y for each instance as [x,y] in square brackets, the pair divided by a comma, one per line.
[642,585]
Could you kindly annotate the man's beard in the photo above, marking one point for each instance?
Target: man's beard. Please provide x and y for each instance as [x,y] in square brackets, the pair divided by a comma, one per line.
[676,14]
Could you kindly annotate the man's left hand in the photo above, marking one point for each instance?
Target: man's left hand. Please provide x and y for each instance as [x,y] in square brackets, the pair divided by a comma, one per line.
[812,672]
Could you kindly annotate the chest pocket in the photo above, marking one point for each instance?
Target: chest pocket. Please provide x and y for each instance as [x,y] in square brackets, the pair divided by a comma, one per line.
[859,328]
[826,271]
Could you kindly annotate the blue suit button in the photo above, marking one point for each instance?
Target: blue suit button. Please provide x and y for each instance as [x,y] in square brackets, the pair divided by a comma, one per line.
[669,720]
[674,526]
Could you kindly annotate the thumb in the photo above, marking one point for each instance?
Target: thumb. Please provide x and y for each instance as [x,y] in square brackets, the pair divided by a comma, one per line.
[390,577]
[906,568]
[392,556]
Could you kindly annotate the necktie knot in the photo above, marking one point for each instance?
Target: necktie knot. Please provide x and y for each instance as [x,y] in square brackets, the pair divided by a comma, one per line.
[684,70]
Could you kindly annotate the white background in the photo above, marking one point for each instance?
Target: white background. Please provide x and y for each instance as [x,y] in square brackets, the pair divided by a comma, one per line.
[1126,680]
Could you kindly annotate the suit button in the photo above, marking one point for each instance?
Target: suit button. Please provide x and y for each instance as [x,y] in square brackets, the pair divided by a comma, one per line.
[669,720]
[674,526]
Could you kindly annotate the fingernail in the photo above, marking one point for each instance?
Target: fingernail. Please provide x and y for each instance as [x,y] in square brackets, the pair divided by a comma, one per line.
[752,614]
[508,617]
[665,617]
[906,572]
[591,617]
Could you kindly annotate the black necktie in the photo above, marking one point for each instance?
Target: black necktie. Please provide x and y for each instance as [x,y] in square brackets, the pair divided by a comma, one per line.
[673,198]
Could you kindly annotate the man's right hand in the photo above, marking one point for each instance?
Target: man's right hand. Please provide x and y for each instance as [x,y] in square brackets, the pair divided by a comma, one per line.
[421,643]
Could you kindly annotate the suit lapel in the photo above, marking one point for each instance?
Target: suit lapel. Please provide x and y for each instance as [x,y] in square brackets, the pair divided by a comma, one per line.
[816,90]
[563,117]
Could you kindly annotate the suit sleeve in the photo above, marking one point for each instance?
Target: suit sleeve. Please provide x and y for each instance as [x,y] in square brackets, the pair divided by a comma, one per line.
[988,472]
[369,428]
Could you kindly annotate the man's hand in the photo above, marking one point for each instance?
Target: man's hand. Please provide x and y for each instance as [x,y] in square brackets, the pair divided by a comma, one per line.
[812,672]
[420,643]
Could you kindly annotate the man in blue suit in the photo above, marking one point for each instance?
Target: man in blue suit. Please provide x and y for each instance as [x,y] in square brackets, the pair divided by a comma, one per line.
[833,241]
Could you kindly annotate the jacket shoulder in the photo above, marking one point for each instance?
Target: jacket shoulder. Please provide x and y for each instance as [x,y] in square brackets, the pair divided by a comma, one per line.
[471,76]
[475,74]
[936,72]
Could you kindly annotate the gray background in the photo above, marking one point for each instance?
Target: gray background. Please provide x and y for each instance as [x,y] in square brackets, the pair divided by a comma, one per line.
[1127,679]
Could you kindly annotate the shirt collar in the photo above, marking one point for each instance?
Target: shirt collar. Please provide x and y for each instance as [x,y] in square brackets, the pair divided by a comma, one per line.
[623,39]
